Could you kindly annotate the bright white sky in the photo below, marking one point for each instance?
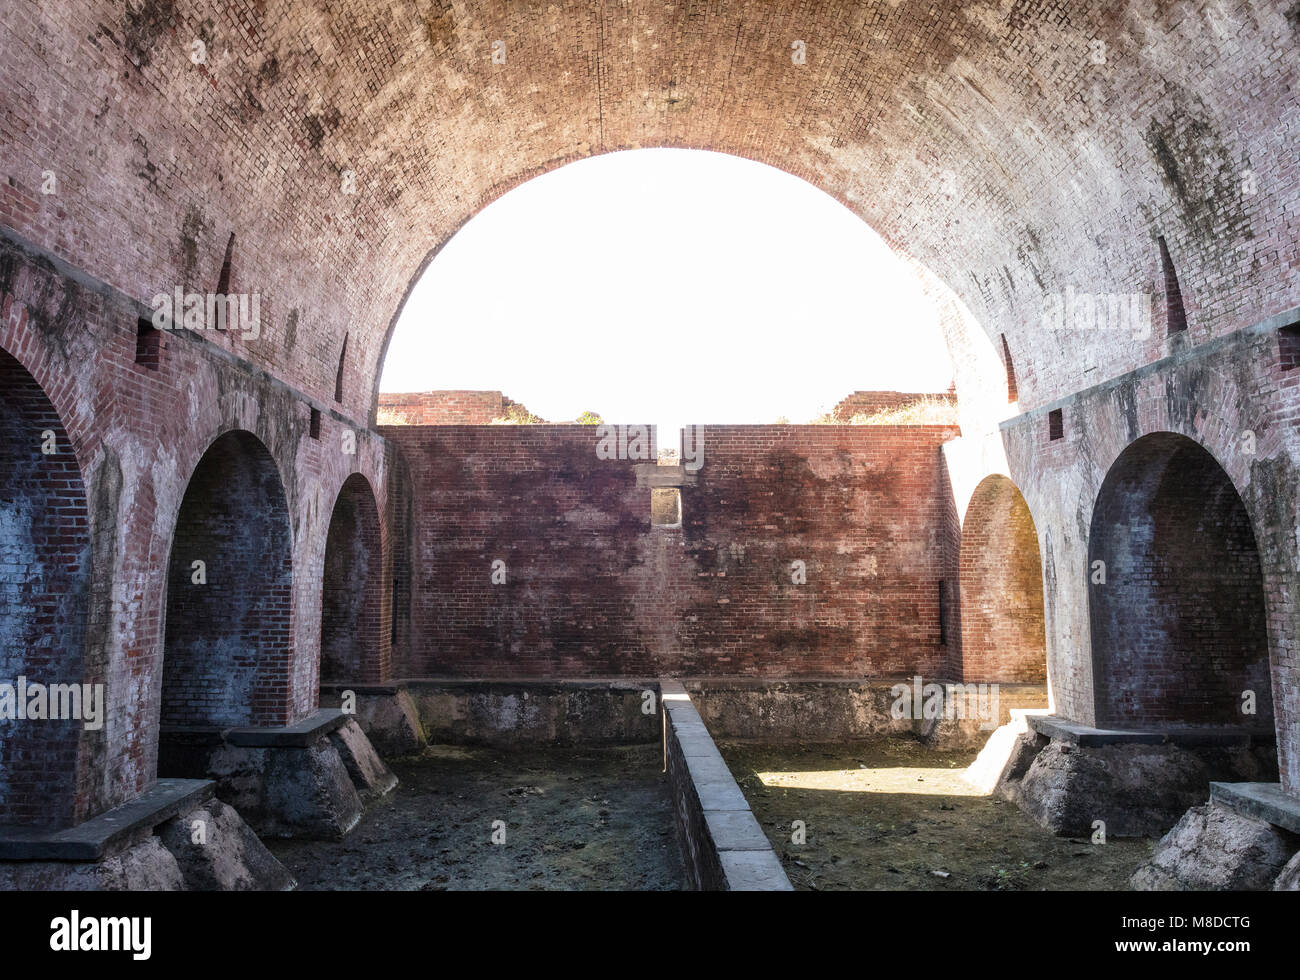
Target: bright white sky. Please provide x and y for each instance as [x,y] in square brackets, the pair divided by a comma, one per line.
[672,287]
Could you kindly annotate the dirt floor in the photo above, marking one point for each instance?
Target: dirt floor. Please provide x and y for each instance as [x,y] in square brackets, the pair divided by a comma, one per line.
[574,819]
[892,814]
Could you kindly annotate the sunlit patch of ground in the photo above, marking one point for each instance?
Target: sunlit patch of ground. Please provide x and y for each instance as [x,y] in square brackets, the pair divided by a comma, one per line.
[892,814]
[926,781]
[574,819]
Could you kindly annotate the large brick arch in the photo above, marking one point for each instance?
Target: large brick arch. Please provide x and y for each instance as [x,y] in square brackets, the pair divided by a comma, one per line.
[1001,587]
[229,644]
[1178,624]
[353,643]
[44,584]
[1013,149]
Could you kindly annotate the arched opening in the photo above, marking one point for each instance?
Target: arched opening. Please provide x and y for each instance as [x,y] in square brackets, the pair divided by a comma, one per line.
[741,274]
[1003,637]
[44,580]
[1176,598]
[229,643]
[352,588]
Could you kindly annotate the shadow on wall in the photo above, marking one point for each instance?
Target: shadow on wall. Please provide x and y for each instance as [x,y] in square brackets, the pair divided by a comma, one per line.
[1177,602]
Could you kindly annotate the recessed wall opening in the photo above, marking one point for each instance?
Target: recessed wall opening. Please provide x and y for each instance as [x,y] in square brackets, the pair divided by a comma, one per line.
[1288,346]
[1013,393]
[1177,604]
[351,593]
[228,642]
[223,280]
[666,507]
[44,585]
[1003,634]
[1175,313]
[338,376]
[148,344]
[1055,425]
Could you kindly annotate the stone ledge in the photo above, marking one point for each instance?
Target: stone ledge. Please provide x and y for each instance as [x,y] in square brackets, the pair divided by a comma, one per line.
[362,688]
[110,831]
[1263,801]
[654,475]
[1062,729]
[733,847]
[296,736]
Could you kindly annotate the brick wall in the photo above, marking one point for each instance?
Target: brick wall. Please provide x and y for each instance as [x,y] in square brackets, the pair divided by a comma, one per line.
[135,435]
[1001,588]
[1178,624]
[592,590]
[229,645]
[870,402]
[44,578]
[1237,399]
[355,631]
[442,407]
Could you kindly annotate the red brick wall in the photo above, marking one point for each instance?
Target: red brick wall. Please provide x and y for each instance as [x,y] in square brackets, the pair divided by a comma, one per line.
[591,590]
[137,436]
[229,645]
[44,577]
[869,402]
[1001,588]
[442,407]
[1178,625]
[354,629]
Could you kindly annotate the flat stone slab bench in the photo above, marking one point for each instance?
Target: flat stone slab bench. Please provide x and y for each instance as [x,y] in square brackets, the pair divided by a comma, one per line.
[1264,801]
[1062,729]
[92,839]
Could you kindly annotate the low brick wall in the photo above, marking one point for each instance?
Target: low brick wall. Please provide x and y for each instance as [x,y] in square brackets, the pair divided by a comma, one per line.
[723,846]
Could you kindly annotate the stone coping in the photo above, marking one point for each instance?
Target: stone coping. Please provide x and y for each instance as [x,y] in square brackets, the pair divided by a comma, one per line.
[1264,801]
[298,735]
[649,683]
[1064,730]
[744,853]
[99,836]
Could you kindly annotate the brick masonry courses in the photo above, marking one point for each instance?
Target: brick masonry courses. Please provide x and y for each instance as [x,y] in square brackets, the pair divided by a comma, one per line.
[1011,153]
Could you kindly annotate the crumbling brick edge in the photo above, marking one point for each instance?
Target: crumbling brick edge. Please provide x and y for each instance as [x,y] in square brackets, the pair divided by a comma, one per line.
[722,844]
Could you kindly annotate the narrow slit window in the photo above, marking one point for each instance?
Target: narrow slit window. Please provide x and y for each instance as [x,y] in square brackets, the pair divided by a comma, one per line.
[1013,393]
[1175,312]
[943,613]
[392,624]
[1288,346]
[315,423]
[338,378]
[223,281]
[148,344]
[1055,425]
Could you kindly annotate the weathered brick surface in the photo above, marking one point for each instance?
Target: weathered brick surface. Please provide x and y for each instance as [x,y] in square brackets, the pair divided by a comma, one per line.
[44,584]
[870,402]
[1234,398]
[137,437]
[1060,139]
[355,613]
[1013,152]
[592,590]
[442,407]
[1001,588]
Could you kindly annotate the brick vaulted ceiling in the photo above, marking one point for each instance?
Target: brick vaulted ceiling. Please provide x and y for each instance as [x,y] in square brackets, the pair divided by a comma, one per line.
[1013,148]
